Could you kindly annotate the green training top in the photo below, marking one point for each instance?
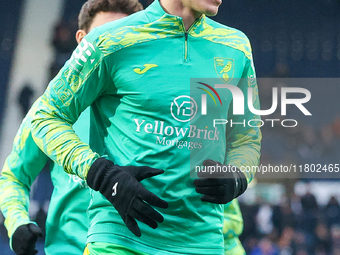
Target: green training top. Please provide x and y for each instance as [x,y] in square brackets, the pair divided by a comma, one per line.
[136,75]
[67,222]
[232,229]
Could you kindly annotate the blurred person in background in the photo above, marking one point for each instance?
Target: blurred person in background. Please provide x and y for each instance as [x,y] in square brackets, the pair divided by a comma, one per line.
[335,236]
[25,98]
[67,221]
[332,212]
[264,219]
[265,247]
[286,241]
[310,215]
[323,242]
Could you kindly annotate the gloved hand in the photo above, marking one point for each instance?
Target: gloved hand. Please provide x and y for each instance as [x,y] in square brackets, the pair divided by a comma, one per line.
[120,185]
[24,239]
[220,187]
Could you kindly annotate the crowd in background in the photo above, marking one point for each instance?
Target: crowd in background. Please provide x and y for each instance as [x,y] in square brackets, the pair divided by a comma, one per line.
[297,226]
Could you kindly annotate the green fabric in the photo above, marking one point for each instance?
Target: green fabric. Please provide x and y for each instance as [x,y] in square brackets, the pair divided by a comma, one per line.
[99,248]
[67,221]
[233,220]
[233,246]
[19,171]
[232,229]
[131,72]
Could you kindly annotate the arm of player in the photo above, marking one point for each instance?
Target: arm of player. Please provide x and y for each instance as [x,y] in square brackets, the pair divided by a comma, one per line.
[242,149]
[233,220]
[21,167]
[14,203]
[14,200]
[232,229]
[82,79]
[244,140]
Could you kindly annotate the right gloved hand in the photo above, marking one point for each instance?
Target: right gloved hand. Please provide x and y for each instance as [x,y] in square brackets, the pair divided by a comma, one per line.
[24,239]
[120,185]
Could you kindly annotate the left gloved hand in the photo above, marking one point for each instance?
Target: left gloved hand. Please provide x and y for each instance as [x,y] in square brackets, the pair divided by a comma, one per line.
[24,239]
[220,187]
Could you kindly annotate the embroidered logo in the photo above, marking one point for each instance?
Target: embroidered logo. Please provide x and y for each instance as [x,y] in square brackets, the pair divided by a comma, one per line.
[224,68]
[147,67]
[114,189]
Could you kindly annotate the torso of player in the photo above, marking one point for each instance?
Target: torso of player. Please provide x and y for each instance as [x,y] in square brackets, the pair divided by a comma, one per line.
[152,114]
[155,105]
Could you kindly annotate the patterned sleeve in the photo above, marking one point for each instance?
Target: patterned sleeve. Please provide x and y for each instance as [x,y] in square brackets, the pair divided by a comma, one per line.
[21,168]
[244,138]
[233,221]
[82,79]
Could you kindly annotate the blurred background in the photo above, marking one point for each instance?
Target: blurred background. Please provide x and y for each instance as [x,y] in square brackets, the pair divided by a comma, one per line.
[290,39]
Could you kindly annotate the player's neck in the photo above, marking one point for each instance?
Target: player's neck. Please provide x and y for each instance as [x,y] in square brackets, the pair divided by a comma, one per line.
[175,7]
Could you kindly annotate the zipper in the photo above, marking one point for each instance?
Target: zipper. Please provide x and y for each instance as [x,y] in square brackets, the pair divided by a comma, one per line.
[186,35]
[186,47]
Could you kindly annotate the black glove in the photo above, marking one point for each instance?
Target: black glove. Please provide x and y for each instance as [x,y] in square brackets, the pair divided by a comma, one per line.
[220,187]
[24,239]
[120,185]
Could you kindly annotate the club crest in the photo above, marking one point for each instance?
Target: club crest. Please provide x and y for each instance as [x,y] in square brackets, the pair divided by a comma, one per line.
[224,68]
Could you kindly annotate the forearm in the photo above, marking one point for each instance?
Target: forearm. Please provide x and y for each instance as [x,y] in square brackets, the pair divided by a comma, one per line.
[245,153]
[21,167]
[233,226]
[55,136]
[14,201]
[244,136]
[233,220]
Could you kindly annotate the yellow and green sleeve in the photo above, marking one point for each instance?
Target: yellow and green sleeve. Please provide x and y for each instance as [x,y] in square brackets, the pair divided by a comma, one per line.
[232,229]
[21,167]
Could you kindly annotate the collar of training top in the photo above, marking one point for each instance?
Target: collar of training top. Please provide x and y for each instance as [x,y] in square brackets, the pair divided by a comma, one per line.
[156,12]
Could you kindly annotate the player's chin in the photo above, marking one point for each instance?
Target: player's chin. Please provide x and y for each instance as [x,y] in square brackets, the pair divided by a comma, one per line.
[211,12]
